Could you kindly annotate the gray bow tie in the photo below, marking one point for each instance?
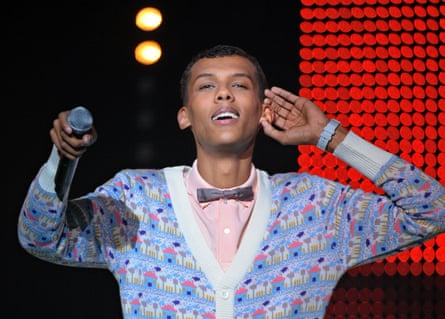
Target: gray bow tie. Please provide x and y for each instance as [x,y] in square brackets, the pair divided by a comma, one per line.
[209,194]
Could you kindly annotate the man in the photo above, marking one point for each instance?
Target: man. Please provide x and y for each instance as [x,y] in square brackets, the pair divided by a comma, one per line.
[275,249]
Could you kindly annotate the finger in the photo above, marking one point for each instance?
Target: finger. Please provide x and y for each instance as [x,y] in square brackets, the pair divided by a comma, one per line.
[278,103]
[288,96]
[71,150]
[272,132]
[279,112]
[293,99]
[280,121]
[61,145]
[68,145]
[89,139]
[63,119]
[286,104]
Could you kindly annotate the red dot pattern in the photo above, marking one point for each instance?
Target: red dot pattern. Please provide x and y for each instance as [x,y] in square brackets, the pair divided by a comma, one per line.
[378,66]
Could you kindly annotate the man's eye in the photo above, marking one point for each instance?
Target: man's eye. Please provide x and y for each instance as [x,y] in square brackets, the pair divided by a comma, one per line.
[205,86]
[240,85]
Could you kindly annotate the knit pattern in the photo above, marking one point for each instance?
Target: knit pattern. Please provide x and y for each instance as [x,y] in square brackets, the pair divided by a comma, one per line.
[317,229]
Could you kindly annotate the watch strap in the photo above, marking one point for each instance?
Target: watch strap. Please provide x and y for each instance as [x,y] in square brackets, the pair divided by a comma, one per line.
[327,133]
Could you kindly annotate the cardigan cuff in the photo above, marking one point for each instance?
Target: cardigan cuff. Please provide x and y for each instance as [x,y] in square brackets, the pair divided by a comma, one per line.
[48,172]
[362,155]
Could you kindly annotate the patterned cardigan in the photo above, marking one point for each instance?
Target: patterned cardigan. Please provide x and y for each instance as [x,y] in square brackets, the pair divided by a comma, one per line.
[304,233]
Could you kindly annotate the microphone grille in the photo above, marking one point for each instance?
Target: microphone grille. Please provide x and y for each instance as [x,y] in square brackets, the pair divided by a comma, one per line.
[80,120]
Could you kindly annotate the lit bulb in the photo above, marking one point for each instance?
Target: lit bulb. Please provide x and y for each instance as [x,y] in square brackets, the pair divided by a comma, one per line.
[148,19]
[148,52]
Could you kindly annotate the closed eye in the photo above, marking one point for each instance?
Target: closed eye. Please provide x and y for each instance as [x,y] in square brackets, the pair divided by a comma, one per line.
[206,86]
[240,85]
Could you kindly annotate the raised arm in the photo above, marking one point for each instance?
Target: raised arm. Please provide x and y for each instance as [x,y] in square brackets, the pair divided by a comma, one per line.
[297,120]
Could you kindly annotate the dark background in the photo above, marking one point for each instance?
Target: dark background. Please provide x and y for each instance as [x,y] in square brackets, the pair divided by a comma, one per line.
[58,55]
[62,54]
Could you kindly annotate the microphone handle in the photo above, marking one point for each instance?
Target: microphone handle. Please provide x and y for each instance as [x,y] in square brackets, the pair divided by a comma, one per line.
[64,175]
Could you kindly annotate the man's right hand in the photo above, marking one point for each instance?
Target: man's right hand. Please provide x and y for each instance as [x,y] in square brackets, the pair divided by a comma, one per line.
[70,145]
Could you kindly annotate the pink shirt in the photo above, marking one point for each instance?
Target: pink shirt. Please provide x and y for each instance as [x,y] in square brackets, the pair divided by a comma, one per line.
[221,221]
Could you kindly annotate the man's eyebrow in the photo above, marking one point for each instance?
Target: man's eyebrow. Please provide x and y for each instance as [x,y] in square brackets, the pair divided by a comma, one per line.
[245,75]
[204,75]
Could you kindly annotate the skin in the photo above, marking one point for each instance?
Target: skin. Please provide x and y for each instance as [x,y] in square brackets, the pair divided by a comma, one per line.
[225,147]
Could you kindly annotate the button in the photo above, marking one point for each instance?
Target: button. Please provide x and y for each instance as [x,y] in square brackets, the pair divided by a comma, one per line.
[225,294]
[227,230]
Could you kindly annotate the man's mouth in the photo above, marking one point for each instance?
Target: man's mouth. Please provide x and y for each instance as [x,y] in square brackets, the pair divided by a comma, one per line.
[225,116]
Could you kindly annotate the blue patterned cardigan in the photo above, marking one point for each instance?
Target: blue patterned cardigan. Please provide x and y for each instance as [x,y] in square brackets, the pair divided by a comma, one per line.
[305,232]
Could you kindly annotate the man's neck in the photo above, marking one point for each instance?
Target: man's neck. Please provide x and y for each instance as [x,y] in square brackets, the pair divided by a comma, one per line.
[224,172]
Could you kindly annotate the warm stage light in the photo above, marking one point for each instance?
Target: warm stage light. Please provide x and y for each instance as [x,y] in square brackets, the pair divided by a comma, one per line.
[148,52]
[148,19]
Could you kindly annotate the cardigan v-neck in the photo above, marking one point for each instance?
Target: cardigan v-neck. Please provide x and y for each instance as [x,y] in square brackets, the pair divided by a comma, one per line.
[224,283]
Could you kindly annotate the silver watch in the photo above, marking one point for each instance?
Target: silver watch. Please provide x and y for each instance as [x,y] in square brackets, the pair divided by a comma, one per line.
[327,133]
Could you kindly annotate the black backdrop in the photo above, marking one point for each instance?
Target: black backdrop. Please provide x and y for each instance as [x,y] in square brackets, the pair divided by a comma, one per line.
[62,54]
[59,55]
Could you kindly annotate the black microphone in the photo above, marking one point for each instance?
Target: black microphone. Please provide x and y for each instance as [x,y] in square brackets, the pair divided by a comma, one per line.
[81,121]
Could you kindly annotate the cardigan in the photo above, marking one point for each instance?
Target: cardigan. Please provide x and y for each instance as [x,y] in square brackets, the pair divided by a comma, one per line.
[304,233]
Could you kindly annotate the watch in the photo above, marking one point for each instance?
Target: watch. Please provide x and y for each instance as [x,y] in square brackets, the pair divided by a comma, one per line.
[327,133]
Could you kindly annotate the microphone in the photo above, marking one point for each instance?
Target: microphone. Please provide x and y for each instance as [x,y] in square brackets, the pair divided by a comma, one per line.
[81,121]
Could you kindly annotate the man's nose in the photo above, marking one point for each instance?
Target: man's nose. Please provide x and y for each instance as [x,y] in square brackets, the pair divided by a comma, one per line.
[224,95]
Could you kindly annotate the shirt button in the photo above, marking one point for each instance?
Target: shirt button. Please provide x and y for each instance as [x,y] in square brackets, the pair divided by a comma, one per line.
[225,294]
[226,230]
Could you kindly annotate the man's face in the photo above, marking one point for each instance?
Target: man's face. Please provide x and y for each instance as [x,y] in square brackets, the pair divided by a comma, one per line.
[224,107]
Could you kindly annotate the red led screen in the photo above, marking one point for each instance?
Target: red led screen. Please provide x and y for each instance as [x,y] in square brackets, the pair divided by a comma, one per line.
[379,68]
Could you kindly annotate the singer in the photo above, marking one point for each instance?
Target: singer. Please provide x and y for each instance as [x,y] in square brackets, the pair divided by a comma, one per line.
[257,243]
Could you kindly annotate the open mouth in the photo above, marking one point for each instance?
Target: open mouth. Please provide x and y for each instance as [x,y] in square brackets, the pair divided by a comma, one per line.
[225,116]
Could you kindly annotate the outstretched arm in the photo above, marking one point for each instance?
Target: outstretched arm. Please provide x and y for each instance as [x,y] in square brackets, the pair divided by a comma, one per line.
[50,226]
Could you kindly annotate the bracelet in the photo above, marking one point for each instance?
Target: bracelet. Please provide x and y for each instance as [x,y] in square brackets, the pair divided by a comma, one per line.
[327,133]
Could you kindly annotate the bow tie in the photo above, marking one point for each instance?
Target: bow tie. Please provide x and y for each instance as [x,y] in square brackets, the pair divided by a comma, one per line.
[209,194]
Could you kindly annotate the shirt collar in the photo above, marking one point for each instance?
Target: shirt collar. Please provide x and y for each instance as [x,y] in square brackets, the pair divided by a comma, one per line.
[194,180]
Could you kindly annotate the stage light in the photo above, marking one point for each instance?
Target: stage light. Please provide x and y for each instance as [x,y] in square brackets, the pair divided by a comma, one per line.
[148,52]
[148,19]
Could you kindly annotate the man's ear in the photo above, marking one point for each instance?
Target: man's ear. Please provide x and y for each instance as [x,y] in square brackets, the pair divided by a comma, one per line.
[183,119]
[268,114]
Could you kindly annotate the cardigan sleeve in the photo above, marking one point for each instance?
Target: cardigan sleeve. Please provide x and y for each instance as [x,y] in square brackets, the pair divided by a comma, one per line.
[411,210]
[65,232]
[91,230]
